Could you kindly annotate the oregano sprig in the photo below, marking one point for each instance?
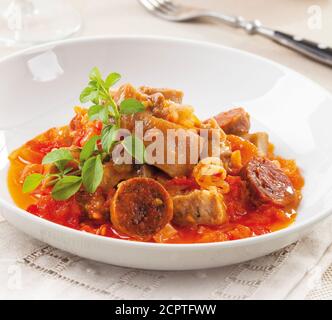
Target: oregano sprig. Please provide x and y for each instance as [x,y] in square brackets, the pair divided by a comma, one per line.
[87,171]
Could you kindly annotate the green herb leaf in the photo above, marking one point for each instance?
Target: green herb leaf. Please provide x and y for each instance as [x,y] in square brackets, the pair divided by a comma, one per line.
[67,170]
[108,137]
[32,182]
[66,187]
[57,155]
[53,181]
[135,147]
[98,112]
[112,79]
[61,164]
[89,94]
[93,84]
[92,174]
[130,106]
[88,148]
[95,74]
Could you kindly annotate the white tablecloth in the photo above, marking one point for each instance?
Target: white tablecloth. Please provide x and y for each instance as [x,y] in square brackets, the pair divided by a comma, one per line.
[30,269]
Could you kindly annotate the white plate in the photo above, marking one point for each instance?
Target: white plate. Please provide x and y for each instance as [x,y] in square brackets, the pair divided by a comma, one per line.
[40,86]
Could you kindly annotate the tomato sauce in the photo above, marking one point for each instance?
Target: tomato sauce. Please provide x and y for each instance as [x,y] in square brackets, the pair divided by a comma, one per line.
[244,219]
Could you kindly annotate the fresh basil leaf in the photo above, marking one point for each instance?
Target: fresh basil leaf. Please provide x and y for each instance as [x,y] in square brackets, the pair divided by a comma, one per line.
[135,147]
[88,94]
[66,187]
[108,137]
[32,182]
[88,148]
[112,79]
[92,174]
[98,112]
[95,74]
[130,106]
[57,155]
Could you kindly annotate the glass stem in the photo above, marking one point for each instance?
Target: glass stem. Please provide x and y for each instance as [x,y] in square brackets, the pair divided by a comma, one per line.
[15,15]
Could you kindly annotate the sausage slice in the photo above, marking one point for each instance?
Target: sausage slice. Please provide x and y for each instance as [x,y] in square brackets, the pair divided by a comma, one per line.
[267,183]
[141,207]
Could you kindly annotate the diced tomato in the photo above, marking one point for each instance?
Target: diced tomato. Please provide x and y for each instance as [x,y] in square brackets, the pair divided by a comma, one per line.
[239,232]
[236,198]
[292,171]
[248,150]
[66,213]
[182,184]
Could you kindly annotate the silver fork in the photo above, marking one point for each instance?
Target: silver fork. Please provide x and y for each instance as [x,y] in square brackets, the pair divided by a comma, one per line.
[168,10]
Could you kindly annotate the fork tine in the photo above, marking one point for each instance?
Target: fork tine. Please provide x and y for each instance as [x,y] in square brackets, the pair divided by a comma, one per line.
[158,7]
[169,5]
[148,4]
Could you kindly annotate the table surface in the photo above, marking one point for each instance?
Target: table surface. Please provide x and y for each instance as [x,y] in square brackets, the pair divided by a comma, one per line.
[307,18]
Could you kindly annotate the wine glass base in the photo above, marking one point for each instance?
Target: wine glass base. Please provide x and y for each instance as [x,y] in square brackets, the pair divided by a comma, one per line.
[28,22]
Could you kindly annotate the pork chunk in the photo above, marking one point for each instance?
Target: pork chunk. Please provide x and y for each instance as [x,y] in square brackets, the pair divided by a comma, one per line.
[235,121]
[169,94]
[199,207]
[127,91]
[260,140]
[178,153]
[114,174]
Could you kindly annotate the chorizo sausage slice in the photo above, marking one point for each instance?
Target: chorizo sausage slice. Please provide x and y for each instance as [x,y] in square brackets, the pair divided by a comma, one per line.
[267,183]
[141,207]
